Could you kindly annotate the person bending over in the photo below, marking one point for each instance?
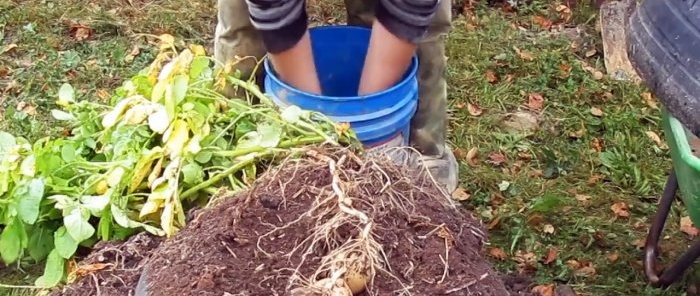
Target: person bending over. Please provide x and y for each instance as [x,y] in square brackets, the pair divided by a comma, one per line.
[400,29]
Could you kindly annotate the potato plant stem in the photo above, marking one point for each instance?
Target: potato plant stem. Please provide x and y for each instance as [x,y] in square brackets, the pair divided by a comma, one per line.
[222,175]
[264,152]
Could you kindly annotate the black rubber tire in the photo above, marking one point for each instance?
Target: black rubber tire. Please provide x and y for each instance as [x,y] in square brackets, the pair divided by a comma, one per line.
[664,47]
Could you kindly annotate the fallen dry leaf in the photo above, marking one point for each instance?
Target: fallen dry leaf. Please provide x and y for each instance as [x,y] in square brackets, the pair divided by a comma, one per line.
[656,139]
[498,253]
[650,101]
[564,12]
[688,228]
[544,290]
[474,109]
[583,197]
[523,54]
[598,144]
[542,22]
[536,173]
[460,195]
[83,270]
[472,159]
[597,75]
[586,270]
[135,51]
[526,261]
[521,121]
[596,112]
[594,179]
[497,158]
[524,155]
[491,76]
[26,108]
[574,264]
[591,53]
[535,101]
[564,70]
[639,243]
[79,31]
[102,94]
[578,134]
[548,228]
[612,257]
[8,47]
[551,255]
[620,209]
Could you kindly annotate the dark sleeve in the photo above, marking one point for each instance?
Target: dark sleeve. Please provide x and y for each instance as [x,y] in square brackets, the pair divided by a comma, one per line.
[407,19]
[281,23]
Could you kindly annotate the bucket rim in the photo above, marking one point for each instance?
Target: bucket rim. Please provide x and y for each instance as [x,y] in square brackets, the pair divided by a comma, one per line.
[413,70]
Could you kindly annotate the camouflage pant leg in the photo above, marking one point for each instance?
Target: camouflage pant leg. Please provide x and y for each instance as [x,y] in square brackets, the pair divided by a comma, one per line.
[236,36]
[429,125]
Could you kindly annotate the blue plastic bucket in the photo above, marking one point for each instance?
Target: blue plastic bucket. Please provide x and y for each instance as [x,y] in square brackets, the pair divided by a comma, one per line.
[379,119]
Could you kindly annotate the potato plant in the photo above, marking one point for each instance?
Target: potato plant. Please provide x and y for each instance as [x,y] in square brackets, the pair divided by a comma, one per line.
[166,141]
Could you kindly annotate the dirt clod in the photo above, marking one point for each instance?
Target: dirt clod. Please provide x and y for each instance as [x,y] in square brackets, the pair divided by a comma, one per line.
[289,230]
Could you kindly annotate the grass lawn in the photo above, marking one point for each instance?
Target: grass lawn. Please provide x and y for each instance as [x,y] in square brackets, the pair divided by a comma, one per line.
[564,165]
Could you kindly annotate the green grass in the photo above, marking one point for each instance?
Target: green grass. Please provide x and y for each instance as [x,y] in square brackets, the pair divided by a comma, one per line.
[534,191]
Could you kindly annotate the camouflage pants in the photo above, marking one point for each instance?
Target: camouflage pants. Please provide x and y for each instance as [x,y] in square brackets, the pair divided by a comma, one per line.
[235,35]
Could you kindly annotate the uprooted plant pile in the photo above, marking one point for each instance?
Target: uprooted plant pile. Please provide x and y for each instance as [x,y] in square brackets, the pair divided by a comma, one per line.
[329,223]
[167,139]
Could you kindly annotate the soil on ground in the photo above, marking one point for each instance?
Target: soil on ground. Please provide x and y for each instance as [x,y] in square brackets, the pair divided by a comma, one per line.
[274,238]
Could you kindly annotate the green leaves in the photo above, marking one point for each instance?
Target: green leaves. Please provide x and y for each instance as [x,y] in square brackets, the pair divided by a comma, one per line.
[30,196]
[53,272]
[64,243]
[77,224]
[11,242]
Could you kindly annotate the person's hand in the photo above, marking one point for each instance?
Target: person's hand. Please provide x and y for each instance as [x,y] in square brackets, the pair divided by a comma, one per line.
[388,58]
[296,66]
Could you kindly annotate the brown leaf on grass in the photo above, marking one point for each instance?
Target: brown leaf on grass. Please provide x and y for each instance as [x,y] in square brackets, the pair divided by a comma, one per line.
[596,112]
[7,48]
[535,101]
[598,144]
[524,155]
[620,209]
[83,270]
[536,173]
[102,94]
[597,75]
[564,70]
[613,257]
[564,12]
[595,179]
[544,290]
[583,198]
[688,228]
[459,153]
[650,101]
[460,195]
[548,228]
[135,51]
[639,243]
[577,134]
[491,76]
[526,261]
[574,264]
[474,109]
[26,108]
[654,137]
[551,255]
[79,31]
[542,22]
[498,253]
[523,54]
[497,158]
[472,159]
[535,219]
[588,270]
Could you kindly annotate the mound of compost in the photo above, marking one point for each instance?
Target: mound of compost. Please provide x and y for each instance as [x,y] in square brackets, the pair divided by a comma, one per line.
[286,233]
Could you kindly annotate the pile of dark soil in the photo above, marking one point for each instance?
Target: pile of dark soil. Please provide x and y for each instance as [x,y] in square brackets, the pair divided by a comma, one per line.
[275,237]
